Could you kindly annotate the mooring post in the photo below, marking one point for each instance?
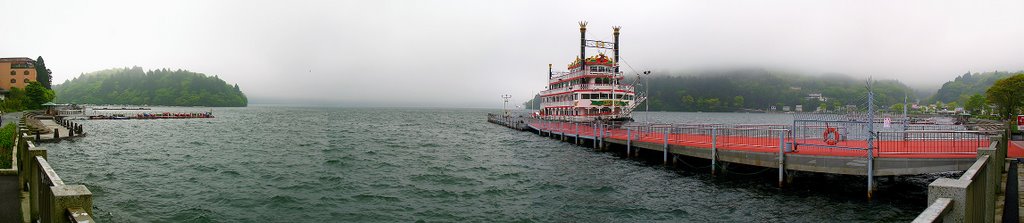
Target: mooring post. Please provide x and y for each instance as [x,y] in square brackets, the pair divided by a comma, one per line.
[665,135]
[629,142]
[593,128]
[714,151]
[37,136]
[782,160]
[56,134]
[71,133]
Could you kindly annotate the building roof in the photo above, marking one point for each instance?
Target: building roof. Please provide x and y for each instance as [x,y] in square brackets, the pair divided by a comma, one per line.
[17,59]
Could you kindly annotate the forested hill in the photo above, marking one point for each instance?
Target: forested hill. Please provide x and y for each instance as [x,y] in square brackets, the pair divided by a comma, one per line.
[155,87]
[966,85]
[759,90]
[732,91]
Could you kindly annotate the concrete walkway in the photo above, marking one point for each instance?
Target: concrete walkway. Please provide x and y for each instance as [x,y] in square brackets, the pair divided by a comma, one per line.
[50,124]
[1010,203]
[1019,198]
[12,117]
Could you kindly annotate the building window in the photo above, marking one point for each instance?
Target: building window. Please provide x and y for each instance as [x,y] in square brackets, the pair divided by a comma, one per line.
[14,73]
[14,80]
[26,80]
[26,72]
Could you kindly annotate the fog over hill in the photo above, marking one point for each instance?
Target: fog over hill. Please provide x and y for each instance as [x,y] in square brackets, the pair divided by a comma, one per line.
[462,53]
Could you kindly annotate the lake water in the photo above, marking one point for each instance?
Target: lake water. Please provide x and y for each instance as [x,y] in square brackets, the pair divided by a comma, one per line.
[291,164]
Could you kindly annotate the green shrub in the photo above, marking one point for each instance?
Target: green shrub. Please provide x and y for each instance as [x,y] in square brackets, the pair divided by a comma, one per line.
[7,134]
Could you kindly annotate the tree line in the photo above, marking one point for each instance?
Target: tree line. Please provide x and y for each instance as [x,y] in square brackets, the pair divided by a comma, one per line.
[154,87]
[758,90]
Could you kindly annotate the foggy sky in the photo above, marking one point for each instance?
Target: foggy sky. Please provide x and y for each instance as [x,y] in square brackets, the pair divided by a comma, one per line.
[468,53]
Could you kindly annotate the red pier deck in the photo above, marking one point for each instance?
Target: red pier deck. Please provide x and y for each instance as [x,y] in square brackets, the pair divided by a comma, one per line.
[903,153]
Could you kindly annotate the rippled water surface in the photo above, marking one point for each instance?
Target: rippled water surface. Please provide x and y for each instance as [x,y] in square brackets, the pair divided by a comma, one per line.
[284,164]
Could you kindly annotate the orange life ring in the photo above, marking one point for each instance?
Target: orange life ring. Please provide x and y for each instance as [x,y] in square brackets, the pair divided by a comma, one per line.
[831,140]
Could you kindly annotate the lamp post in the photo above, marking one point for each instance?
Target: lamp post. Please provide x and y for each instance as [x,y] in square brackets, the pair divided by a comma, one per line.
[505,106]
[647,94]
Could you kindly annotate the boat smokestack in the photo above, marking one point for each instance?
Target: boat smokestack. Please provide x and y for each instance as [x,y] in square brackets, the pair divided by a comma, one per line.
[583,45]
[615,32]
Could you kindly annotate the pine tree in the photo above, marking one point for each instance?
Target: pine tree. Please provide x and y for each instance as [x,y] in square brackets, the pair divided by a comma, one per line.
[42,74]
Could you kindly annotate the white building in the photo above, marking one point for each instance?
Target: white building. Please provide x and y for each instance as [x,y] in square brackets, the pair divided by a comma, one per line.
[816,97]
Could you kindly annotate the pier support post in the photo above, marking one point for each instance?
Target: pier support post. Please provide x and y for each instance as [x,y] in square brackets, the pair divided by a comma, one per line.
[629,142]
[578,133]
[545,126]
[714,151]
[540,128]
[725,168]
[782,158]
[636,152]
[37,136]
[665,135]
[602,145]
[789,178]
[594,130]
[56,134]
[71,133]
[871,175]
[561,128]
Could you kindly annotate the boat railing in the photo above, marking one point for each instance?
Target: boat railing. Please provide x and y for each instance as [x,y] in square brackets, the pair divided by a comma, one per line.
[589,87]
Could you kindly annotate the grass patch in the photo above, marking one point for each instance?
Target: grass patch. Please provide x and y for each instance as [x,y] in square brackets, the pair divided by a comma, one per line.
[7,145]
